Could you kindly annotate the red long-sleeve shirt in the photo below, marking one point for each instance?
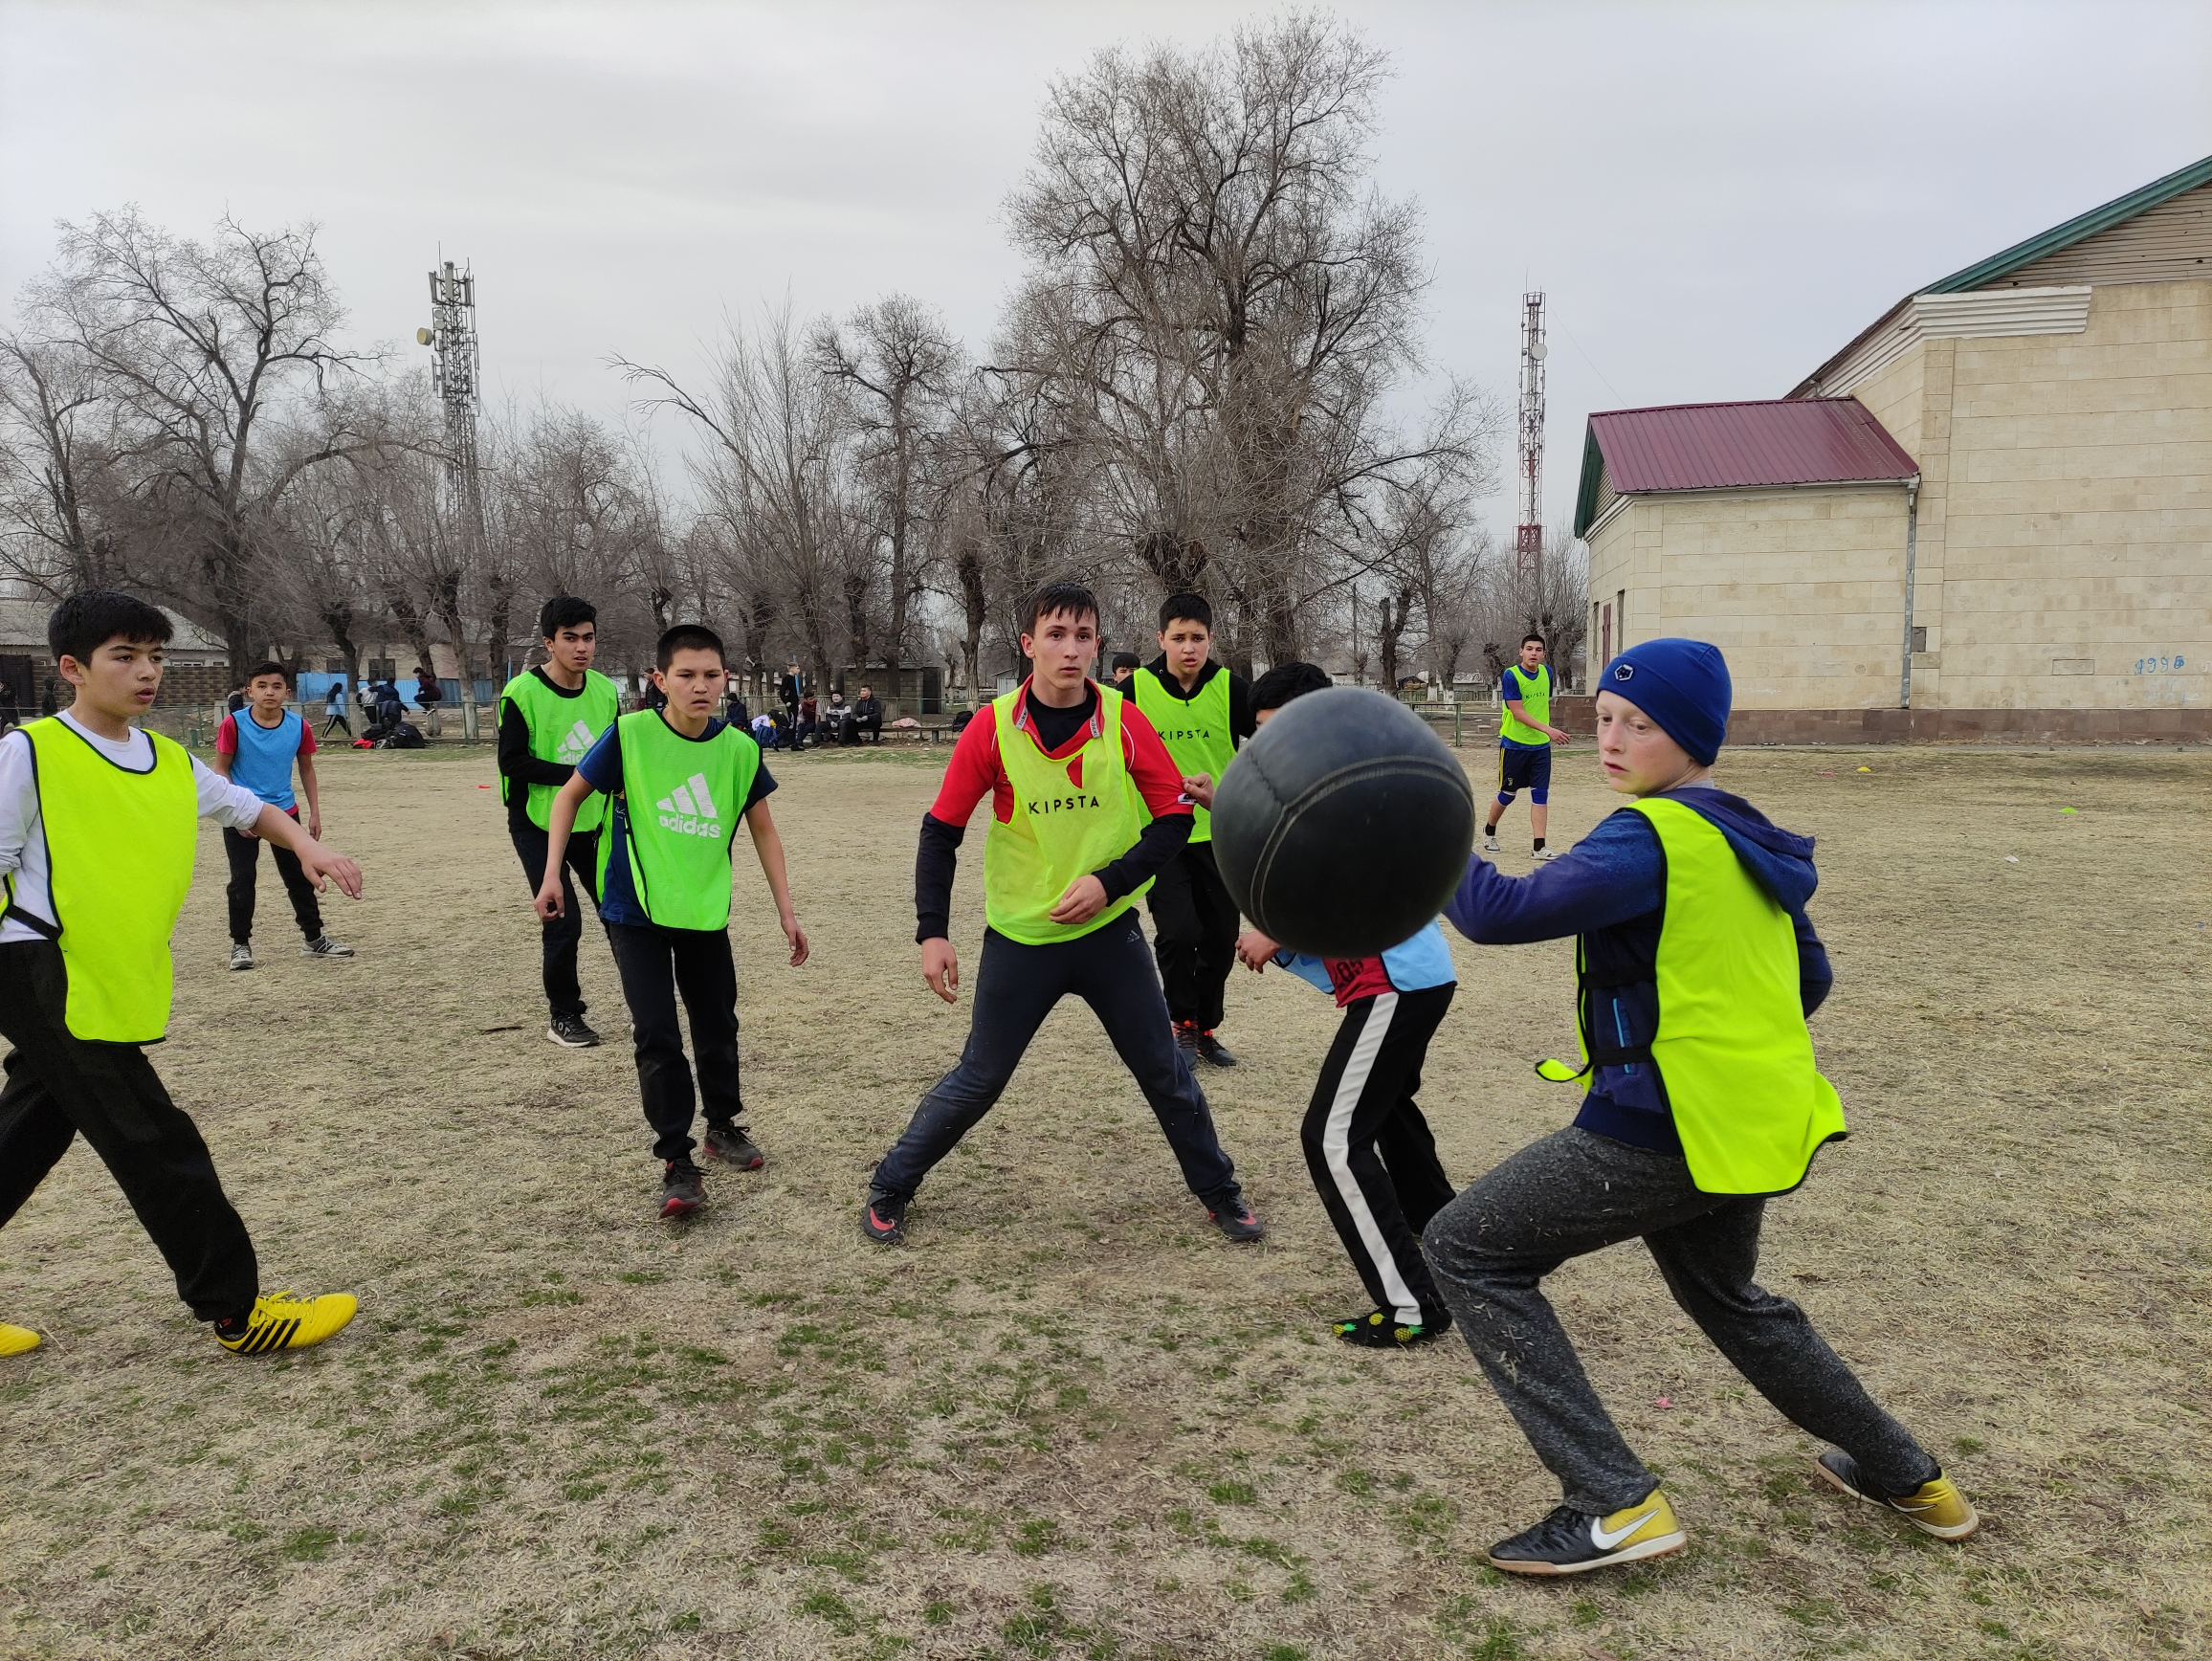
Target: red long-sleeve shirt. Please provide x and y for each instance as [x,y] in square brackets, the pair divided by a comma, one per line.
[976,769]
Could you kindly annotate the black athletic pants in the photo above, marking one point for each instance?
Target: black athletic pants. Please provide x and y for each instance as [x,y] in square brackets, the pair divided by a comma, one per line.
[1575,1191]
[1371,1153]
[657,964]
[559,937]
[1015,988]
[59,1085]
[1194,926]
[245,856]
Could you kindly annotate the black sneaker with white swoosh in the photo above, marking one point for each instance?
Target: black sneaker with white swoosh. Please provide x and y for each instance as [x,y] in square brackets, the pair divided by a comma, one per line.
[1572,1542]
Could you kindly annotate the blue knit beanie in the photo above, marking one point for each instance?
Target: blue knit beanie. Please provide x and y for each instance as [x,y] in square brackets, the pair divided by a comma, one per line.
[1681,684]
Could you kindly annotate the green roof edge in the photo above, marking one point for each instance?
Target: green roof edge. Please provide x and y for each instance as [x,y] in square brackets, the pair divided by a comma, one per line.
[1586,498]
[2074,230]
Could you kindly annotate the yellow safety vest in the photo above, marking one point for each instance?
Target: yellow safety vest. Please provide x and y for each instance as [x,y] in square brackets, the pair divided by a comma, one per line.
[1195,731]
[1731,1049]
[1072,817]
[118,849]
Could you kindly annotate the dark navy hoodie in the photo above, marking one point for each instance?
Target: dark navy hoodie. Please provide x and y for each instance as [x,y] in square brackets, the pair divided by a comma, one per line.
[1616,878]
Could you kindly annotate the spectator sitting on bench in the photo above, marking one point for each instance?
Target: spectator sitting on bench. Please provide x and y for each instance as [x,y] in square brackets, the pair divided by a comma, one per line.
[865,716]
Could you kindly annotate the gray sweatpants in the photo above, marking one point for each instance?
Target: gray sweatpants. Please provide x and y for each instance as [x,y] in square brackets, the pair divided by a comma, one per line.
[1575,1192]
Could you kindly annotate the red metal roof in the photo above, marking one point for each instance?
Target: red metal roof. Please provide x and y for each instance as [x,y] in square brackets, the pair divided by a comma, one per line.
[1775,441]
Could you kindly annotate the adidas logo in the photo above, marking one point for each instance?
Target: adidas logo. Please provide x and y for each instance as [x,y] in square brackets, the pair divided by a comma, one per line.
[573,743]
[690,810]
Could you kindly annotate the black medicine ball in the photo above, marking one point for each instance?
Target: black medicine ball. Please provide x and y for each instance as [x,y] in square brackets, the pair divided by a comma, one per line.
[1344,825]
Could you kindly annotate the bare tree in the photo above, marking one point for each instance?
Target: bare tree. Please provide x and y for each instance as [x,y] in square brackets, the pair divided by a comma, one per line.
[1220,304]
[206,352]
[1553,601]
[63,505]
[895,361]
[776,473]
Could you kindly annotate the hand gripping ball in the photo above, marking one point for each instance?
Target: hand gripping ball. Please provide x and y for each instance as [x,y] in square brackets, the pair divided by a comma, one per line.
[1344,825]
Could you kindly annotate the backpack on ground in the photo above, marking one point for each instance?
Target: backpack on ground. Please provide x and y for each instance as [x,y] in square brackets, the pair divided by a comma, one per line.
[406,736]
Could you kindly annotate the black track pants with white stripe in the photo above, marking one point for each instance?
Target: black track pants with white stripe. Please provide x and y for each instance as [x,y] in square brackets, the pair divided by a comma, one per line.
[1371,1153]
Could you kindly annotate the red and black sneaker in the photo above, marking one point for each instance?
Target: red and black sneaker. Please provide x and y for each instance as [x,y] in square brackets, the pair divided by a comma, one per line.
[1234,1218]
[883,1219]
[1186,1040]
[683,1188]
[729,1143]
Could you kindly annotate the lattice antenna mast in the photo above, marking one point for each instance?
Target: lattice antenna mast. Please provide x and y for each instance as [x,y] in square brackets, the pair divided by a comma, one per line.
[451,338]
[1528,537]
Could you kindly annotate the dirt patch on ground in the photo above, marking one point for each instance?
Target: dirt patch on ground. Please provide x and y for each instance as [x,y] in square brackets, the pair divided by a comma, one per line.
[1068,1419]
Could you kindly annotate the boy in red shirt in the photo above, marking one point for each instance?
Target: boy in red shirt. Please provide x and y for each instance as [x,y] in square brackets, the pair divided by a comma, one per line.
[1087,806]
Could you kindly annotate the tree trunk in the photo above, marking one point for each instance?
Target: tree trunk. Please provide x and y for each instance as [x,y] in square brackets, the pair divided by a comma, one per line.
[498,622]
[413,629]
[448,589]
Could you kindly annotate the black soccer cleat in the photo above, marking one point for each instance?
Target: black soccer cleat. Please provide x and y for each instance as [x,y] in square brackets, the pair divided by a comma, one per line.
[571,1033]
[1234,1218]
[729,1143]
[683,1188]
[1211,1049]
[883,1219]
[1379,1329]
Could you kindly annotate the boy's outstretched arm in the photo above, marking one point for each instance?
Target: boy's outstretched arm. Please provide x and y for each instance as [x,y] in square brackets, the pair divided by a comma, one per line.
[1613,875]
[320,863]
[769,844]
[547,901]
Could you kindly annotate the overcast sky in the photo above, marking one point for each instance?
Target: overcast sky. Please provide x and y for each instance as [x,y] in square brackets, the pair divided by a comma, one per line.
[1715,198]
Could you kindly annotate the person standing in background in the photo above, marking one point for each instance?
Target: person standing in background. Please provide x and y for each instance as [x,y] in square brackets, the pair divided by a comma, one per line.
[549,717]
[259,749]
[1202,712]
[334,706]
[1525,737]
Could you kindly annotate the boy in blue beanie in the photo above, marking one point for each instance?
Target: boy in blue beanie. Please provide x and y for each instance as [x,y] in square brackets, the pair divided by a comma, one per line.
[1696,969]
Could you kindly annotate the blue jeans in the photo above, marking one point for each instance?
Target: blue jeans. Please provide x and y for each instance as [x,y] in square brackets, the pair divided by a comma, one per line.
[1015,988]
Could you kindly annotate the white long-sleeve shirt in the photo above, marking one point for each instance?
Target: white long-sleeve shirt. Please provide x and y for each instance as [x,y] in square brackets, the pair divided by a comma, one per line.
[22,855]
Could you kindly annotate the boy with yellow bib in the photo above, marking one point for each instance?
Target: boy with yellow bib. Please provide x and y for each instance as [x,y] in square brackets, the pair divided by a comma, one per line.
[99,827]
[681,781]
[1696,969]
[1087,806]
[1202,712]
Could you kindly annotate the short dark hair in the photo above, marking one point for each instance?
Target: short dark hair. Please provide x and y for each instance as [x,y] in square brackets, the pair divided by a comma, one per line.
[1127,660]
[1191,608]
[688,637]
[1068,596]
[270,667]
[1286,681]
[563,612]
[83,623]
[1537,638]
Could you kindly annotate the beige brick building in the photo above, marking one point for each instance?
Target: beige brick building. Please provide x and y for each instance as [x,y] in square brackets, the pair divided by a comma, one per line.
[2035,558]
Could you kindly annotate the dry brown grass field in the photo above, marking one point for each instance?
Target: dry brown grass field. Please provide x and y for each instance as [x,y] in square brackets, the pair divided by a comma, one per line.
[1068,1419]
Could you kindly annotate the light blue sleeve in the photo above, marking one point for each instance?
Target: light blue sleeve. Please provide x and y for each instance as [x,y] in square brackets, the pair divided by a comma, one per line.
[1311,970]
[1423,961]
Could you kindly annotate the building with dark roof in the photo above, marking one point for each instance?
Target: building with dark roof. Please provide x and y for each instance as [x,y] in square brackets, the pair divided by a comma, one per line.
[1986,516]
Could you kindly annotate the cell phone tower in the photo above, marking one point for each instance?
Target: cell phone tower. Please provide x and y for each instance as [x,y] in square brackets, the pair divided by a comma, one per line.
[451,338]
[1528,537]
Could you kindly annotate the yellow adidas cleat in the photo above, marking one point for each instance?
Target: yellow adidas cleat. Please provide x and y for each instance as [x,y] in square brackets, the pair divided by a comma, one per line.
[1935,1507]
[15,1340]
[281,1321]
[1572,1542]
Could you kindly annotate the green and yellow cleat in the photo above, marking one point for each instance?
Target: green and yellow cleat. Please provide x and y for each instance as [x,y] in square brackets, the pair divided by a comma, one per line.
[1935,1507]
[1572,1542]
[281,1321]
[15,1340]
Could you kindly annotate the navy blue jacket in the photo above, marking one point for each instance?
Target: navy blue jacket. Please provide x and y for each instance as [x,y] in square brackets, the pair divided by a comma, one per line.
[1612,886]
